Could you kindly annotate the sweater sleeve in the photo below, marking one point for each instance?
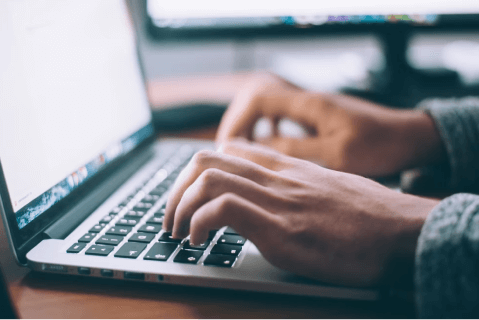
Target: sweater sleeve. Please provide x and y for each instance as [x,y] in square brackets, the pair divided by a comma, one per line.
[447,260]
[457,121]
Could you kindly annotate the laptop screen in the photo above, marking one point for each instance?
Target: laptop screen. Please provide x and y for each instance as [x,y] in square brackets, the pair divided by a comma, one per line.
[72,97]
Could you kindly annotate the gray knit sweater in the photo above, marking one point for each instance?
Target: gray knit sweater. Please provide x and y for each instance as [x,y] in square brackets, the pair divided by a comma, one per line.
[447,255]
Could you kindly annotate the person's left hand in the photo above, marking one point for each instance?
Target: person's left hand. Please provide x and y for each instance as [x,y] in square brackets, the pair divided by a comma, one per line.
[328,225]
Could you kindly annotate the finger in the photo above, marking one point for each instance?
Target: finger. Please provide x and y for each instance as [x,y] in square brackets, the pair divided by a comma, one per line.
[248,219]
[239,119]
[305,148]
[245,110]
[209,159]
[275,126]
[211,184]
[262,155]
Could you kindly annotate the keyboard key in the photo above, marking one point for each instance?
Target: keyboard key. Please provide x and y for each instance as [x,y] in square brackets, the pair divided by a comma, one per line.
[150,228]
[127,222]
[134,214]
[160,213]
[77,247]
[226,249]
[151,198]
[115,211]
[166,237]
[156,220]
[106,219]
[97,228]
[231,239]
[142,237]
[99,250]
[212,234]
[126,201]
[188,256]
[87,237]
[159,190]
[230,230]
[130,250]
[110,240]
[202,246]
[161,251]
[119,231]
[219,260]
[142,206]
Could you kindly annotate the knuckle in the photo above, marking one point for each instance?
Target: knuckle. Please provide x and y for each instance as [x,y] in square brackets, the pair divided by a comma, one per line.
[226,203]
[210,177]
[202,158]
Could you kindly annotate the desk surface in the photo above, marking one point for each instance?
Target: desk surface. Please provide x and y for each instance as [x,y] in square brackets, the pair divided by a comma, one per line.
[58,296]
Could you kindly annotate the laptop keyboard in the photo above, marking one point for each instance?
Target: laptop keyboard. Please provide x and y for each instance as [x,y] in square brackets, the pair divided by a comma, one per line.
[135,227]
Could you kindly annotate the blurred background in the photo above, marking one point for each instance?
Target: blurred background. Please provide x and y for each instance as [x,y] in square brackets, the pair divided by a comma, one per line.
[397,60]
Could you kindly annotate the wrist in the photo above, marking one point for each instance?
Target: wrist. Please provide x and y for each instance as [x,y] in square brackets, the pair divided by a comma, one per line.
[411,213]
[420,139]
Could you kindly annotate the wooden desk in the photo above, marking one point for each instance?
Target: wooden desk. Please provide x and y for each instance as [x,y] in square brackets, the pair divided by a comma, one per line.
[58,296]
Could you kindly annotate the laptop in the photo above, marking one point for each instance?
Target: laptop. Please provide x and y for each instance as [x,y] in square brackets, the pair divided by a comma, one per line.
[83,180]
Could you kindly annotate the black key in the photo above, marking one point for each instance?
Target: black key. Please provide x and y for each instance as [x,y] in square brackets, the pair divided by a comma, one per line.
[127,222]
[110,240]
[87,237]
[99,250]
[156,220]
[130,250]
[212,234]
[202,246]
[159,190]
[219,260]
[151,198]
[150,228]
[119,231]
[134,214]
[231,239]
[97,228]
[107,219]
[142,206]
[161,251]
[188,256]
[160,213]
[166,237]
[230,230]
[226,249]
[115,211]
[77,247]
[126,201]
[142,237]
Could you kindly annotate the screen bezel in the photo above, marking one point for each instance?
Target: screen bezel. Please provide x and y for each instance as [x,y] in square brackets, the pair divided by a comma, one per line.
[23,240]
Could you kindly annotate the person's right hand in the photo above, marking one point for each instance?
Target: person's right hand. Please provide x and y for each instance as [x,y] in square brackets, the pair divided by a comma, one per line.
[346,133]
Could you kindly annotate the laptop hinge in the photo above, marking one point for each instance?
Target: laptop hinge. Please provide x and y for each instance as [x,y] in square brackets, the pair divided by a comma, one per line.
[72,219]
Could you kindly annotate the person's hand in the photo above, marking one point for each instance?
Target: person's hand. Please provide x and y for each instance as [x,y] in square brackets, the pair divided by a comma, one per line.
[319,223]
[345,133]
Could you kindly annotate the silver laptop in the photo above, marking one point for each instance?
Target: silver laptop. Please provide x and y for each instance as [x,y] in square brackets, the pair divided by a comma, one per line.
[83,182]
